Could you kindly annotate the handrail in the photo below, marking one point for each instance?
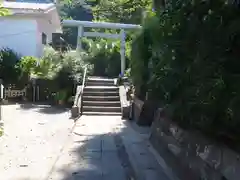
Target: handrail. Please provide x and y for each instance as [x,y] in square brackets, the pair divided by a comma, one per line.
[83,85]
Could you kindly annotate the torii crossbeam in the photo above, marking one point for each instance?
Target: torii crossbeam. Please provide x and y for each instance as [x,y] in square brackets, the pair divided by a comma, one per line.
[106,25]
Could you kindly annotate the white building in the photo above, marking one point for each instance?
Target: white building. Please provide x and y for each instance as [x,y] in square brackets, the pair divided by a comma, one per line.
[28,27]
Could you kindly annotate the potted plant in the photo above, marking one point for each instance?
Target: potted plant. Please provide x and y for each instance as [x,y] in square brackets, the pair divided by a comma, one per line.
[61,97]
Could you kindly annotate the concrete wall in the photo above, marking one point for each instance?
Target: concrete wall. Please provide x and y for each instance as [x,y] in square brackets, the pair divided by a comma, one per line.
[24,34]
[43,26]
[19,34]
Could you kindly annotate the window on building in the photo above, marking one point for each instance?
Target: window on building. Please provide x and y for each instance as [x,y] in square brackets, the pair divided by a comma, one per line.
[44,38]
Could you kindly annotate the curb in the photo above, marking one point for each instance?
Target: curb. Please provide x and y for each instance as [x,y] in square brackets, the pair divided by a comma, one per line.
[139,175]
[167,170]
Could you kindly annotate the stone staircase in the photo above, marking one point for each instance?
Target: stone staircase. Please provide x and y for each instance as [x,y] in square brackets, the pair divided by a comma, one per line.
[101,97]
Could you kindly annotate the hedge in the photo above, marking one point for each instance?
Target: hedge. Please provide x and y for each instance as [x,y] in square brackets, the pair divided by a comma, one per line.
[187,58]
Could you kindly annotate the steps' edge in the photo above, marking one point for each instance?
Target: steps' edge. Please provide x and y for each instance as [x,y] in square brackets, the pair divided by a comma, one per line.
[110,107]
[101,113]
[102,96]
[101,87]
[100,79]
[110,102]
[100,92]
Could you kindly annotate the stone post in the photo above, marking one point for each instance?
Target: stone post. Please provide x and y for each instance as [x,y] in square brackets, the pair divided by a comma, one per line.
[79,38]
[122,51]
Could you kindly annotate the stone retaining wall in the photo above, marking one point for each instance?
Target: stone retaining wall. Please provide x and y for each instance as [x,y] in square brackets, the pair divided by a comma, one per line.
[191,155]
[143,111]
[137,108]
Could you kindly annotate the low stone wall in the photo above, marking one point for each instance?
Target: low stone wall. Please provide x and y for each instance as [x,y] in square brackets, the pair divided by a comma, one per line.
[125,104]
[191,155]
[143,111]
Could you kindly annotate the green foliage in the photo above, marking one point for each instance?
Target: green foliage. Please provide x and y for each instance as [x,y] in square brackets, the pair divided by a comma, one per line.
[49,64]
[77,10]
[76,63]
[28,64]
[64,69]
[55,65]
[188,58]
[128,73]
[106,61]
[118,11]
[9,71]
[121,11]
[105,57]
[61,70]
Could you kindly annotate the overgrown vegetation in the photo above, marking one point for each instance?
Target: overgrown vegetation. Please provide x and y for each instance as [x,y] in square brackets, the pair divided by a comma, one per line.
[104,53]
[60,71]
[187,57]
[9,70]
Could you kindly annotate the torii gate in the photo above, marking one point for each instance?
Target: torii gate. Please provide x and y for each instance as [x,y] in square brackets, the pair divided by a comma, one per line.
[106,25]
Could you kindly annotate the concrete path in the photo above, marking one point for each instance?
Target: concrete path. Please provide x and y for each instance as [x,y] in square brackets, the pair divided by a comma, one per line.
[106,148]
[34,137]
[42,143]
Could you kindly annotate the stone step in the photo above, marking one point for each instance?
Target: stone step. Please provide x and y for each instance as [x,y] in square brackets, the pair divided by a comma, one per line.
[100,83]
[94,78]
[100,93]
[101,89]
[102,103]
[102,113]
[101,109]
[101,98]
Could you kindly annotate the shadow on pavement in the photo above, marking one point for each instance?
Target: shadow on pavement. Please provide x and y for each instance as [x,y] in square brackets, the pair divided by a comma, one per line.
[53,110]
[94,157]
[44,108]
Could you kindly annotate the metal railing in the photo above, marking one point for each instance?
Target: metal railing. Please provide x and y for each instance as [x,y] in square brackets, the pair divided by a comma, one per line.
[79,93]
[83,85]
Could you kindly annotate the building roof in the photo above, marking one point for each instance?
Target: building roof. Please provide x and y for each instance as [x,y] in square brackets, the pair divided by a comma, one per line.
[25,9]
[28,7]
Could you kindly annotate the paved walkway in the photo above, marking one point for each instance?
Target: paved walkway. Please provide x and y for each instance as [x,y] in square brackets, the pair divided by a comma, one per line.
[106,148]
[34,137]
[41,144]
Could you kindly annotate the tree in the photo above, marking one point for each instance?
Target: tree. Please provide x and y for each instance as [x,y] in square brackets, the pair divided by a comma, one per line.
[121,11]
[77,10]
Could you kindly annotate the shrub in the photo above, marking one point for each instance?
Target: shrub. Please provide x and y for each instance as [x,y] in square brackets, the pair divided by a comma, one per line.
[184,63]
[49,64]
[104,55]
[75,62]
[9,70]
[70,72]
[28,64]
